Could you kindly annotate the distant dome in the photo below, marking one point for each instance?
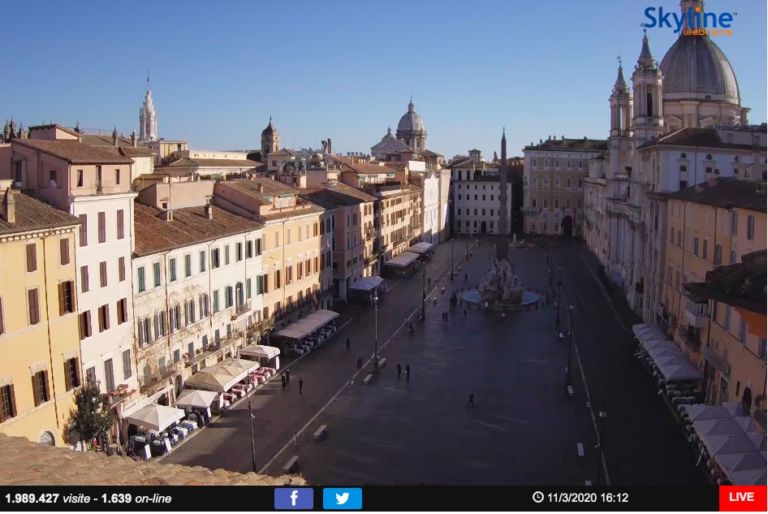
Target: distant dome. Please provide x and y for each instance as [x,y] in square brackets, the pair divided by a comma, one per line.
[410,121]
[695,68]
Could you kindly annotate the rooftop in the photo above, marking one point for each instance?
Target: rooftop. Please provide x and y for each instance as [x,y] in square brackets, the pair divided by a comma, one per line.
[741,285]
[32,214]
[724,192]
[702,137]
[189,226]
[566,144]
[338,196]
[28,463]
[186,162]
[361,167]
[74,152]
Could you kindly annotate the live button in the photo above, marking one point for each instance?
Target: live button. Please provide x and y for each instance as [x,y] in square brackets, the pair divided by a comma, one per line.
[743,498]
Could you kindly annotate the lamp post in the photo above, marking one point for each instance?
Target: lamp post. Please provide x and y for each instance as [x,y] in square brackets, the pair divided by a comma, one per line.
[602,415]
[375,331]
[253,448]
[423,292]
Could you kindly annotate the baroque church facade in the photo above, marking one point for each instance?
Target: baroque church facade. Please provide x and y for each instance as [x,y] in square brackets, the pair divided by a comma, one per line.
[679,125]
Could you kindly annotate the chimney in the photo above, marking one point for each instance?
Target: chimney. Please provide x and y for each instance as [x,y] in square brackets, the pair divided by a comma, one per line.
[9,203]
[167,215]
[133,138]
[209,210]
[114,136]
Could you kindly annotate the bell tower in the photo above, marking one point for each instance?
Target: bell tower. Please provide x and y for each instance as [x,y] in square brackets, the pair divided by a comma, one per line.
[648,115]
[620,141]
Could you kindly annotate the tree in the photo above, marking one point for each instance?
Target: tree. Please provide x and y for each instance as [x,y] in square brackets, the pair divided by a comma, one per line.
[92,418]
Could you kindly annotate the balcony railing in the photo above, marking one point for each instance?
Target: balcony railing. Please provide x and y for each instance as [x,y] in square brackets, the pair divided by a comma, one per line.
[215,348]
[152,384]
[241,309]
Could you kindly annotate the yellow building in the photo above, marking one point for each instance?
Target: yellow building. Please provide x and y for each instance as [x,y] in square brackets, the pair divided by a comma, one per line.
[296,244]
[39,341]
[734,350]
[710,224]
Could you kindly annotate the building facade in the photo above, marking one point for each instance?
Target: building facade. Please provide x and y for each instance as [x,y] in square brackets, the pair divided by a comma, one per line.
[40,363]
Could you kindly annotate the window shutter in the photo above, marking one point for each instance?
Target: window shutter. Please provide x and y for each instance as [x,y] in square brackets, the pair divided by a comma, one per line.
[64,250]
[46,394]
[12,400]
[31,257]
[35,390]
[62,299]
[67,378]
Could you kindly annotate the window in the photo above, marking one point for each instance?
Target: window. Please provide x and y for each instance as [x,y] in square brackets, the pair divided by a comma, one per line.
[156,273]
[202,261]
[145,331]
[33,307]
[103,273]
[127,371]
[743,331]
[734,223]
[683,184]
[696,246]
[176,356]
[40,387]
[102,227]
[122,311]
[248,249]
[226,255]
[142,282]
[248,288]
[557,203]
[204,312]
[704,248]
[761,348]
[90,375]
[228,297]
[172,268]
[533,202]
[546,202]
[52,178]
[277,279]
[189,312]
[66,298]
[64,251]
[683,168]
[85,324]
[175,318]
[7,403]
[266,283]
[79,178]
[239,252]
[258,246]
[727,321]
[215,258]
[83,229]
[288,275]
[750,228]
[732,257]
[216,301]
[71,374]
[121,269]
[120,223]
[84,285]
[718,255]
[103,318]
[32,257]
[259,284]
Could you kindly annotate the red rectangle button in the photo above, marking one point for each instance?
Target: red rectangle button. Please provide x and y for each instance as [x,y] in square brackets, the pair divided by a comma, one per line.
[743,498]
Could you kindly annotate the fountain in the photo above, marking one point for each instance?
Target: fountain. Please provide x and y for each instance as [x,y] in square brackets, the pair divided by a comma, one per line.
[500,289]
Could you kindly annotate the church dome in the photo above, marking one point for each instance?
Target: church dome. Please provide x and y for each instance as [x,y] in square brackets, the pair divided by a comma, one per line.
[410,121]
[695,68]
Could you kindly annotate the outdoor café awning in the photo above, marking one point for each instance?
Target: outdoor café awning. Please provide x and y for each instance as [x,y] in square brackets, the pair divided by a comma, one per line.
[420,247]
[260,351]
[403,260]
[196,398]
[665,354]
[367,283]
[219,377]
[307,324]
[647,332]
[155,417]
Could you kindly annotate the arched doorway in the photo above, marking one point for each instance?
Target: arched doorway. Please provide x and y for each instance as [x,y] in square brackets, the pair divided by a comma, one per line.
[47,439]
[567,225]
[483,227]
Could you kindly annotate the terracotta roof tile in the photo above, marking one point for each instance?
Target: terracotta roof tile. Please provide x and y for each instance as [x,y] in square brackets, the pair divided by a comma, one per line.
[74,152]
[189,226]
[725,192]
[194,162]
[33,214]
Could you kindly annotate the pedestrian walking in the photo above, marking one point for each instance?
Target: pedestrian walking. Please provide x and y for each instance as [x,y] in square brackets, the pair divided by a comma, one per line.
[295,440]
[301,385]
[282,381]
[465,313]
[359,363]
[399,370]
[408,373]
[470,402]
[466,277]
[287,377]
[348,344]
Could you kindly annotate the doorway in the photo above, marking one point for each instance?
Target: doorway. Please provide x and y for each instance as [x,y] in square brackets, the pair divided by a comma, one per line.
[483,227]
[567,226]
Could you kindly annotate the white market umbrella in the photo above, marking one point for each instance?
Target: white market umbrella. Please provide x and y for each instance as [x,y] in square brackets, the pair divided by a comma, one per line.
[196,398]
[156,417]
[701,411]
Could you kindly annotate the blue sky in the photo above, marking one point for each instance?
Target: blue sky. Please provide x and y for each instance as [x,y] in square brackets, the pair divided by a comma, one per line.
[343,69]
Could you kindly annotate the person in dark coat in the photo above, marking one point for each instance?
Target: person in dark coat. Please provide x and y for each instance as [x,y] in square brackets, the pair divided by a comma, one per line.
[301,385]
[348,344]
[287,377]
[359,363]
[399,370]
[282,381]
[470,402]
[408,373]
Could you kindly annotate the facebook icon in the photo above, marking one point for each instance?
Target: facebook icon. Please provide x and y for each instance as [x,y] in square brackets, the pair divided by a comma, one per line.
[294,498]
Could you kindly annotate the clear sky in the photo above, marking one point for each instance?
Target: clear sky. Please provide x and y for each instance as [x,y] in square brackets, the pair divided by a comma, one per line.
[343,69]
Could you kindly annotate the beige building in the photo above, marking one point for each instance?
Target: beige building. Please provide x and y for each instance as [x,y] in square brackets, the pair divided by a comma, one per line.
[40,364]
[711,224]
[553,184]
[296,255]
[735,348]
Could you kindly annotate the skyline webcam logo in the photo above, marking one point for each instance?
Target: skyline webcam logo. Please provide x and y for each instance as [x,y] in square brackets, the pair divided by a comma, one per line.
[694,21]
[294,498]
[342,498]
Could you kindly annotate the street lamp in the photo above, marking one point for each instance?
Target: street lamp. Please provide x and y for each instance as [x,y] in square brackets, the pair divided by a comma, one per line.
[451,258]
[253,447]
[601,417]
[375,331]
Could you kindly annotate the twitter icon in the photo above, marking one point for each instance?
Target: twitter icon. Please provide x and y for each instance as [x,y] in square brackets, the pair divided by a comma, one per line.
[342,498]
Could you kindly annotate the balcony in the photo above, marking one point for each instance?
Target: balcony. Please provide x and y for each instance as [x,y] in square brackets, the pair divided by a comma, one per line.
[695,314]
[215,349]
[717,361]
[119,395]
[241,309]
[152,384]
[690,336]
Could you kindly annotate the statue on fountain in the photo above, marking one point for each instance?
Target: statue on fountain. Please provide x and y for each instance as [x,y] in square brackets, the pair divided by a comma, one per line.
[500,286]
